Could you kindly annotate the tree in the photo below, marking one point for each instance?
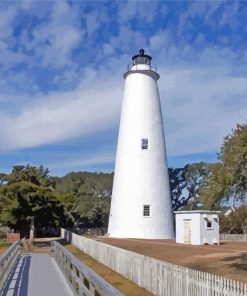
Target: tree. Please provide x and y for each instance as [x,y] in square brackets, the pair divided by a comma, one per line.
[92,193]
[215,189]
[227,180]
[27,194]
[38,176]
[2,178]
[177,186]
[195,175]
[235,222]
[185,184]
[233,156]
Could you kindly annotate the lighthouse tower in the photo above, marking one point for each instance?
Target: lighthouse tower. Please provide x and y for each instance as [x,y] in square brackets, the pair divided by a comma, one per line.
[141,201]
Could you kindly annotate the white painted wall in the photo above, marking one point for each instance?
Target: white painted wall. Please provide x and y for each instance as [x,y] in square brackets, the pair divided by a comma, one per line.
[141,176]
[200,234]
[195,228]
[210,236]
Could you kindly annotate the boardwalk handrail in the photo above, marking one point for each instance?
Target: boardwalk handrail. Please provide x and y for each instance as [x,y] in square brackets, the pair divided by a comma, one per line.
[7,260]
[81,278]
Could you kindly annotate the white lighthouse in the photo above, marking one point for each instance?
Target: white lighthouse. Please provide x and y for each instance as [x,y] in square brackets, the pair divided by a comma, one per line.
[141,201]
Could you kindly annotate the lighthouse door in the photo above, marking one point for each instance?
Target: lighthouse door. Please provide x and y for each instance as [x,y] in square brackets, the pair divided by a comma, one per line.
[187,232]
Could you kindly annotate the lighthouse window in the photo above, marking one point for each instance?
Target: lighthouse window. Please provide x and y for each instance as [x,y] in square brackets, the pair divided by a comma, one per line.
[144,144]
[146,210]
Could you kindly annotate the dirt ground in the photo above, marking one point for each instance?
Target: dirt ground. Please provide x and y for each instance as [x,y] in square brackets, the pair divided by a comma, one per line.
[2,250]
[228,259]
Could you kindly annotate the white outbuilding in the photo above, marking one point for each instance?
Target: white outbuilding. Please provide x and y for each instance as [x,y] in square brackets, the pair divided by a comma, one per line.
[197,227]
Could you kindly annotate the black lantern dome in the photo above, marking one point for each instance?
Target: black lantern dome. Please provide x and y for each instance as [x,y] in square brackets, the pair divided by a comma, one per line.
[141,58]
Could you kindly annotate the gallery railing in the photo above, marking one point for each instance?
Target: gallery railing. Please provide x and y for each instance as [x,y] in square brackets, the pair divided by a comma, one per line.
[151,67]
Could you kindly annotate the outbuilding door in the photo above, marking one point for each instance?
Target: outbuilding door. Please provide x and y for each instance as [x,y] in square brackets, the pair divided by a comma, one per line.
[187,232]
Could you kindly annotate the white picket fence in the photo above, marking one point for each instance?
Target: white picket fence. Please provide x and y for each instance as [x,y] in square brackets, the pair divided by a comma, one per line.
[233,237]
[158,277]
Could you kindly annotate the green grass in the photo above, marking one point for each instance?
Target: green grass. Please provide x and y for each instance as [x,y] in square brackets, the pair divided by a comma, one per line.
[4,243]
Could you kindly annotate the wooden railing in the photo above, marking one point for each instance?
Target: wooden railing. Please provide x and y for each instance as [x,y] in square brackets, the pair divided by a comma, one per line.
[81,279]
[7,260]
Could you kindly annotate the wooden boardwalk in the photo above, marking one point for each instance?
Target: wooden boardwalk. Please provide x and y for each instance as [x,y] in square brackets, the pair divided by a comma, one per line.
[36,274]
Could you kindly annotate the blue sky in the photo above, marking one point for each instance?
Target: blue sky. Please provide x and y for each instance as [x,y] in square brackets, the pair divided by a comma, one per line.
[61,66]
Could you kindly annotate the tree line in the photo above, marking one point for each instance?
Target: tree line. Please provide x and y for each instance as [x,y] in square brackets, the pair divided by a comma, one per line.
[82,199]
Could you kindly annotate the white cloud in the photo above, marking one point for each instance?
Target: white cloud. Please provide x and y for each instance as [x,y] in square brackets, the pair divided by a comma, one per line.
[143,10]
[62,116]
[54,40]
[44,40]
[127,38]
[85,161]
[8,57]
[107,49]
[94,21]
[203,92]
[6,21]
[201,105]
[203,9]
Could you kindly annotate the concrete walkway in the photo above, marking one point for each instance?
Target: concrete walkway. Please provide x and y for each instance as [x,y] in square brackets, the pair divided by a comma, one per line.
[36,275]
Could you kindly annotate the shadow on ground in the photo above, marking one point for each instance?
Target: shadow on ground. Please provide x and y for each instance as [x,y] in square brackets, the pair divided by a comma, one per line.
[17,281]
[46,242]
[42,245]
[238,261]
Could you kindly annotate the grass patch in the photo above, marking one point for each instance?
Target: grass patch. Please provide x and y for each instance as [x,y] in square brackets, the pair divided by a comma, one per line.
[4,244]
[2,250]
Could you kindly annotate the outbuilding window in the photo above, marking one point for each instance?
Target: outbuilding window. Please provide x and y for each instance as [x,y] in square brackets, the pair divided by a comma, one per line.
[146,210]
[209,224]
[144,144]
